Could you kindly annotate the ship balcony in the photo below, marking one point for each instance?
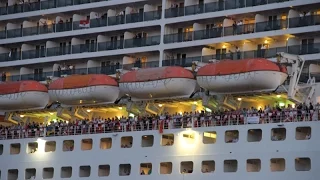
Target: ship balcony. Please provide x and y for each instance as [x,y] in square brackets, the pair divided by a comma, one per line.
[229,30]
[209,6]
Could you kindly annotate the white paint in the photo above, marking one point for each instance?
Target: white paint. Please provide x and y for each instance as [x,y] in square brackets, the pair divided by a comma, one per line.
[243,82]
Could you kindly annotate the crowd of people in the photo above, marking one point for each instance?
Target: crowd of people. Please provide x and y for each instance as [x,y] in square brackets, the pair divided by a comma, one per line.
[164,121]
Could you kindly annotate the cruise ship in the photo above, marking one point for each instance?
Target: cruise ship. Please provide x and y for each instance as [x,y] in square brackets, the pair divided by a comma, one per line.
[151,89]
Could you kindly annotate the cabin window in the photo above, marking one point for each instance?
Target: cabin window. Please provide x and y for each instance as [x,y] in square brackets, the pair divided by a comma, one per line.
[126,142]
[48,173]
[15,148]
[124,169]
[104,170]
[253,165]
[254,135]
[50,146]
[13,174]
[209,137]
[165,168]
[145,168]
[84,171]
[68,145]
[188,138]
[1,149]
[230,165]
[167,140]
[32,147]
[208,166]
[232,136]
[277,164]
[303,164]
[278,134]
[186,167]
[147,141]
[105,143]
[86,144]
[303,133]
[30,173]
[66,172]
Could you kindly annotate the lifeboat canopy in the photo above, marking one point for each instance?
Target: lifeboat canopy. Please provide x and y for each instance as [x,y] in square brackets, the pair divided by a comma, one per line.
[23,95]
[241,76]
[158,83]
[84,90]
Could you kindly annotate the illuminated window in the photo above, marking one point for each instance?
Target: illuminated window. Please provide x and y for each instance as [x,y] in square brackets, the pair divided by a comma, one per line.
[167,139]
[30,173]
[50,146]
[68,145]
[86,144]
[147,141]
[278,134]
[186,167]
[253,165]
[277,164]
[15,148]
[13,174]
[208,166]
[232,136]
[166,168]
[105,143]
[104,170]
[189,138]
[145,168]
[48,173]
[124,169]
[32,147]
[303,133]
[84,171]
[126,141]
[303,164]
[230,165]
[254,135]
[209,137]
[66,172]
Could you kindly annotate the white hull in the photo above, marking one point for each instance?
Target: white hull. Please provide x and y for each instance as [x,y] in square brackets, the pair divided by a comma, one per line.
[159,89]
[24,101]
[243,82]
[86,95]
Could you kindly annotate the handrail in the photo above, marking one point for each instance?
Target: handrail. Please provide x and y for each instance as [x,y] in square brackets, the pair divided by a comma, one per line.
[157,124]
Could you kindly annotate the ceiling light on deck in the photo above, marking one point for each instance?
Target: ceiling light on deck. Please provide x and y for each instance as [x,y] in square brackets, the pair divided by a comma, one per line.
[278,96]
[120,108]
[195,102]
[51,113]
[239,99]
[22,116]
[88,110]
[160,105]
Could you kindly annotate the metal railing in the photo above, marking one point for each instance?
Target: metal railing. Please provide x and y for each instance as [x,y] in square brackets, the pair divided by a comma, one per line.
[178,123]
[215,6]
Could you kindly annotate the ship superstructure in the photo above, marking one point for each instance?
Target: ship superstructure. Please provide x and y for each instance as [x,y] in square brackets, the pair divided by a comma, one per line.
[173,89]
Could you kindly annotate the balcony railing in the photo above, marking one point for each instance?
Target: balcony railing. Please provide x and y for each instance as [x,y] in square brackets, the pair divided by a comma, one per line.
[215,6]
[42,5]
[37,77]
[140,42]
[69,26]
[268,53]
[111,45]
[240,29]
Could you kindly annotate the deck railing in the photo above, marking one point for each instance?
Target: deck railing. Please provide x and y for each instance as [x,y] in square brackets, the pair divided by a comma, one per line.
[177,123]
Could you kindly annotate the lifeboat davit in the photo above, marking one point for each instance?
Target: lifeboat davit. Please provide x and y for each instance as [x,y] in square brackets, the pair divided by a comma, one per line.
[240,76]
[84,90]
[158,83]
[23,95]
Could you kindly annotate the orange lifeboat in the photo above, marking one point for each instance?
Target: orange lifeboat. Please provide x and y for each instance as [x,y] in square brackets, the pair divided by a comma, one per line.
[158,83]
[240,76]
[84,89]
[23,95]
